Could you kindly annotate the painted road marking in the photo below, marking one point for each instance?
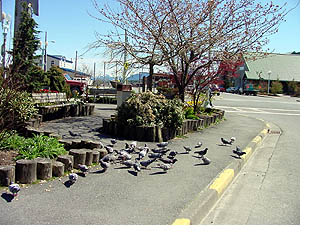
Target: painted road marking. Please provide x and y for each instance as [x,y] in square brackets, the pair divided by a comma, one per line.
[248,151]
[182,222]
[223,180]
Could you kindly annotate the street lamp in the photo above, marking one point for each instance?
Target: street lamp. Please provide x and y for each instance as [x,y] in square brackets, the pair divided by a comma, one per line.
[269,73]
[6,21]
[45,51]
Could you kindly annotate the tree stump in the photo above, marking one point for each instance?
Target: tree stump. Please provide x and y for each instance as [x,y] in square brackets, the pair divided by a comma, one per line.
[67,144]
[79,157]
[76,144]
[67,160]
[89,157]
[7,175]
[102,152]
[26,171]
[44,168]
[58,168]
[96,155]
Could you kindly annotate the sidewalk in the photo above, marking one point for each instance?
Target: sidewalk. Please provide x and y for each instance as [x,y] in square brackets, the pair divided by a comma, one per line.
[117,196]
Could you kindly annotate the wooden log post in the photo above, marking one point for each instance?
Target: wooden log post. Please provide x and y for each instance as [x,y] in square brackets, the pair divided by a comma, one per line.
[102,152]
[7,175]
[159,136]
[140,133]
[76,144]
[67,144]
[58,168]
[89,157]
[79,157]
[26,171]
[44,168]
[96,156]
[67,160]
[150,134]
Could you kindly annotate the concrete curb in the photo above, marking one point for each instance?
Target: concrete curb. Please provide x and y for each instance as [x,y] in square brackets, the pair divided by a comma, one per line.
[206,199]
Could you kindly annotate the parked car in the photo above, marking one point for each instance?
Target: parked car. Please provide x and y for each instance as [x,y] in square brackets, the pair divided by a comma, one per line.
[231,89]
[76,87]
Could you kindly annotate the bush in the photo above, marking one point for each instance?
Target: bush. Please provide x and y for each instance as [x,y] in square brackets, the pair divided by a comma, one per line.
[148,109]
[30,148]
[15,108]
[276,87]
[57,81]
[189,113]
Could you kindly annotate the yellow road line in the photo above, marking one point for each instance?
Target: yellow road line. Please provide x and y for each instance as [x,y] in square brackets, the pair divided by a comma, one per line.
[223,180]
[257,139]
[182,221]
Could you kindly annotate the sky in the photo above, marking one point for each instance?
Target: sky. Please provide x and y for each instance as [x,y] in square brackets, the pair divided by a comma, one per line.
[68,23]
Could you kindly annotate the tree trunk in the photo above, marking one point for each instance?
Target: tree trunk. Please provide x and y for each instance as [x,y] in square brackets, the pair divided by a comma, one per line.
[7,175]
[150,77]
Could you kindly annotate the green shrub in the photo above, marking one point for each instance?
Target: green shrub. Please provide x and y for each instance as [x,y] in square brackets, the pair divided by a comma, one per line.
[30,148]
[15,108]
[57,81]
[148,109]
[190,114]
[276,87]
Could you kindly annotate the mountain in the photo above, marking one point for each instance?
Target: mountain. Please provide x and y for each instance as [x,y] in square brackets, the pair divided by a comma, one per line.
[134,77]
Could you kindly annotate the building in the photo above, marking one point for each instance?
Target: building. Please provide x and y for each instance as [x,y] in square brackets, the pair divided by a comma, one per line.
[267,68]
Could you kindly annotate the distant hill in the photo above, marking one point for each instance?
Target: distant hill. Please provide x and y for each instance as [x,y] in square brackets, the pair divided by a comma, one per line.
[134,77]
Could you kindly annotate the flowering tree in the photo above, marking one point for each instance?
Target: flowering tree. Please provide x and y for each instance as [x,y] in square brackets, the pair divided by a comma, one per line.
[191,37]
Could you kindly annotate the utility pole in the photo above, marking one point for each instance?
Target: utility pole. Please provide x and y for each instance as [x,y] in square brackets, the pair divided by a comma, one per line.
[76,57]
[45,52]
[125,65]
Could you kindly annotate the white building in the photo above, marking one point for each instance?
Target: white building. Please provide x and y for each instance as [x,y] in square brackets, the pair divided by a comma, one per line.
[60,61]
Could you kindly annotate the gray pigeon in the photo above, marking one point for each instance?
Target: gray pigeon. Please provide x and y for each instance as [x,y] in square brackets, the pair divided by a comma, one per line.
[128,163]
[133,144]
[205,160]
[173,153]
[225,142]
[155,155]
[104,165]
[136,166]
[165,167]
[202,152]
[83,168]
[141,148]
[73,134]
[161,150]
[14,189]
[146,163]
[187,149]
[143,153]
[113,141]
[109,149]
[168,161]
[73,178]
[239,152]
[162,144]
[124,155]
[198,145]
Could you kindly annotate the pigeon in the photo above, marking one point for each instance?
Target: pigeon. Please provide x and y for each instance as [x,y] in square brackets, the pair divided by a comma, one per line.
[14,189]
[136,166]
[124,155]
[187,149]
[104,165]
[113,141]
[162,144]
[168,161]
[73,134]
[141,148]
[173,153]
[198,145]
[155,155]
[83,168]
[225,142]
[109,149]
[238,151]
[133,144]
[205,160]
[202,152]
[146,163]
[109,158]
[143,153]
[73,178]
[160,150]
[165,167]
[128,163]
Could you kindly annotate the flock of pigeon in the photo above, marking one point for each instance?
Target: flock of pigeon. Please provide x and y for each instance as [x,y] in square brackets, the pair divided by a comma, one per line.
[125,158]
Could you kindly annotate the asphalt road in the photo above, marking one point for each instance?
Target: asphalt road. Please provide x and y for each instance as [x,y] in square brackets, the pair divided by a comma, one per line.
[119,196]
[267,190]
